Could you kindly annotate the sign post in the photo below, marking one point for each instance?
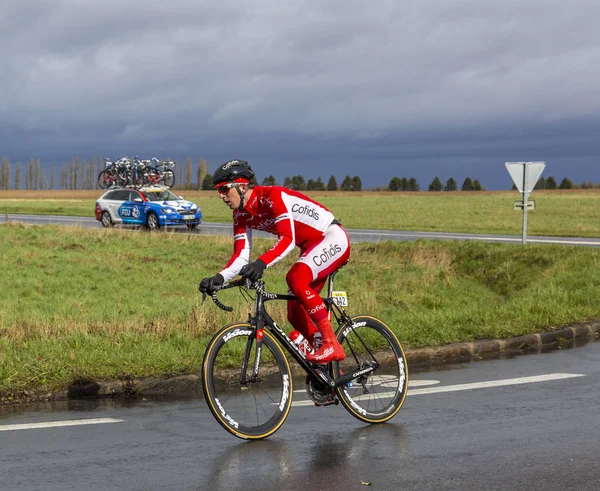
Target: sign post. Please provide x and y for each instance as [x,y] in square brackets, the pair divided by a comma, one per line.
[525,175]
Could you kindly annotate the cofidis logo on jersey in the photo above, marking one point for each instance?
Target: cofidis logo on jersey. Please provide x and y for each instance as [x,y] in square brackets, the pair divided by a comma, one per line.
[327,254]
[305,210]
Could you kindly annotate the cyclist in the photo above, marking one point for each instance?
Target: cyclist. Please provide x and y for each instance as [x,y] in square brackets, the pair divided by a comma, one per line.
[296,220]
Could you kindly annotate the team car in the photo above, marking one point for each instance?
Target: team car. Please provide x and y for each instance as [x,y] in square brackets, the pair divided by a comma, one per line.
[152,207]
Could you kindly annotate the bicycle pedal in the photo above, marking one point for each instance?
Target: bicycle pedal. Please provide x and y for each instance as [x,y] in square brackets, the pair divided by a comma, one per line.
[334,402]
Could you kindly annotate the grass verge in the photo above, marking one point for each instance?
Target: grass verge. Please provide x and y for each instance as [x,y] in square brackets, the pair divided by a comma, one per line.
[79,304]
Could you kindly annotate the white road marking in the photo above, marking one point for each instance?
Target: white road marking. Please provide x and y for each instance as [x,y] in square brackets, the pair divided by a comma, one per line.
[476,385]
[422,383]
[495,383]
[57,424]
[391,378]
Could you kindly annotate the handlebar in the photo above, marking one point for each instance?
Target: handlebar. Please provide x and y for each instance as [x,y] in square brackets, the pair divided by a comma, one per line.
[257,285]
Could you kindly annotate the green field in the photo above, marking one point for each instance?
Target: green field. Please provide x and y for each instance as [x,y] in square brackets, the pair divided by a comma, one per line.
[87,304]
[573,213]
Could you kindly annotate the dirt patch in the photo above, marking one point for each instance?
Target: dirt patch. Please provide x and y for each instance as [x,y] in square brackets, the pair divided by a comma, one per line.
[73,247]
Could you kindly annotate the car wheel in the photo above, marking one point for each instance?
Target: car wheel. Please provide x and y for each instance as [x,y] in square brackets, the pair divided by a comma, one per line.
[106,219]
[191,226]
[152,222]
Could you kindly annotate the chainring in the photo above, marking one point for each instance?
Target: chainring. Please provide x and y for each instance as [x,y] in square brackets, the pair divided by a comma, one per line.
[319,393]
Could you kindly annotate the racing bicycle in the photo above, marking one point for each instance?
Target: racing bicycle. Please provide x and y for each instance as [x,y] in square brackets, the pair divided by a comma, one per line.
[247,381]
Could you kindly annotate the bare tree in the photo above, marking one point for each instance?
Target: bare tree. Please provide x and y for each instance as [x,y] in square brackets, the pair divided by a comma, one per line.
[42,180]
[29,175]
[89,182]
[73,175]
[62,177]
[202,171]
[18,176]
[36,175]
[81,174]
[188,173]
[5,174]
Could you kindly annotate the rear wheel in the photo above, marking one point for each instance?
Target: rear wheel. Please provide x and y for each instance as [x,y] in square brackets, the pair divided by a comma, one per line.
[169,178]
[106,220]
[152,222]
[104,180]
[376,396]
[246,408]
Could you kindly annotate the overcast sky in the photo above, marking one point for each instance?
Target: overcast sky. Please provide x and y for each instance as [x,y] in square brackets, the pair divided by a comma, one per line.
[448,88]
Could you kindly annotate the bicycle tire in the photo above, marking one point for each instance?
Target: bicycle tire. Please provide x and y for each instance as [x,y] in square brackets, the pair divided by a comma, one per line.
[122,179]
[245,411]
[137,180]
[104,180]
[168,178]
[376,397]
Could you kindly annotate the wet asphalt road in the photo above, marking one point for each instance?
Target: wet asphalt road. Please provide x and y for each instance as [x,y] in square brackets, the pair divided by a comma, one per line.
[356,235]
[540,435]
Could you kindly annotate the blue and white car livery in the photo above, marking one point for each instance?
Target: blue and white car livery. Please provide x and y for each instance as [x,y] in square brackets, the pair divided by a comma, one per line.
[153,207]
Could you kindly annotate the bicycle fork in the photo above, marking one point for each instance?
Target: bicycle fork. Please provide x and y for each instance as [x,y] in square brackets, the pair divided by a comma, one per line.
[258,323]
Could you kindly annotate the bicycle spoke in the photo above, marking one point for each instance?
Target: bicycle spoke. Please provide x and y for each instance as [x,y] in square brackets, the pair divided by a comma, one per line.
[256,408]
[376,396]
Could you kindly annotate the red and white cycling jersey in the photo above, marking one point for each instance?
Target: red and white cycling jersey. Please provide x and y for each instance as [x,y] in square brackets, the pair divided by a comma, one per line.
[292,216]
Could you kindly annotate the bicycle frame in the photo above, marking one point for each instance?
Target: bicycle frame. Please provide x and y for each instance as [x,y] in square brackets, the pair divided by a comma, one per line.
[262,320]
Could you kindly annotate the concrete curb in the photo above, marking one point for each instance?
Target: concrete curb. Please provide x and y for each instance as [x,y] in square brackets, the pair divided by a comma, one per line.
[187,385]
[498,348]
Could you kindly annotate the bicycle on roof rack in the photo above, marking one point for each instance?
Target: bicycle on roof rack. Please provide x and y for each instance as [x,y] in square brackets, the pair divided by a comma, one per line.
[247,381]
[136,173]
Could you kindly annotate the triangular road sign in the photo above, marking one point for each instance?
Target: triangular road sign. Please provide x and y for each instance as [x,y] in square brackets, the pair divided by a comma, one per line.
[525,174]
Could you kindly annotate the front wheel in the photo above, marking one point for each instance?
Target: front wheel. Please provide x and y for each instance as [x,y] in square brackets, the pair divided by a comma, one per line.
[152,222]
[169,178]
[247,408]
[378,395]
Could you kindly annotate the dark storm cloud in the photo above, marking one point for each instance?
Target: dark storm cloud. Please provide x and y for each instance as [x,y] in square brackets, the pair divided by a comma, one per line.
[440,83]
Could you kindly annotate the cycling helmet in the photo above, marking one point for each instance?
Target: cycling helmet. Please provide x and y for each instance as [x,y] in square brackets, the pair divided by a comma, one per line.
[233,171]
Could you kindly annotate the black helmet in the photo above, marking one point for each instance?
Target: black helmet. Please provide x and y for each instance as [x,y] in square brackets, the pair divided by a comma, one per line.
[231,171]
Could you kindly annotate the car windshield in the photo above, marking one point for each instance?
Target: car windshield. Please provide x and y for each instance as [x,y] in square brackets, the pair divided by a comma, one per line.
[160,195]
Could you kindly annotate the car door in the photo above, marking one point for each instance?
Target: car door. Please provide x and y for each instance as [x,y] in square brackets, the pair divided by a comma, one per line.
[112,202]
[128,211]
[138,207]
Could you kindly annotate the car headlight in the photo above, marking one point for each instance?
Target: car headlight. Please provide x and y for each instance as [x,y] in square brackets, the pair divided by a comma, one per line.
[167,211]
[193,208]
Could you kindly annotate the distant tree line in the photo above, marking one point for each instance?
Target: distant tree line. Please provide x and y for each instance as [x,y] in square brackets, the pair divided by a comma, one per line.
[82,174]
[550,183]
[451,185]
[403,184]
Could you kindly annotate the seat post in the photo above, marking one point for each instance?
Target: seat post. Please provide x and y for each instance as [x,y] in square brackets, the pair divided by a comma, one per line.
[330,284]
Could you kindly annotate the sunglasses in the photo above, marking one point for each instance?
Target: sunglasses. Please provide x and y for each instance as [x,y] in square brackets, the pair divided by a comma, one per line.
[224,188]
